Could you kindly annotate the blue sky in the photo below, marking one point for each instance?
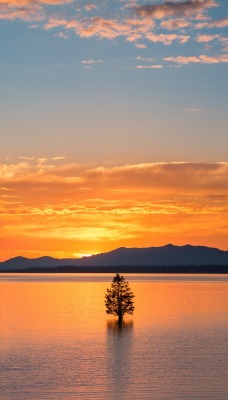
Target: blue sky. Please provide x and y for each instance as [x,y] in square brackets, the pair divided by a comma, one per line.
[119,81]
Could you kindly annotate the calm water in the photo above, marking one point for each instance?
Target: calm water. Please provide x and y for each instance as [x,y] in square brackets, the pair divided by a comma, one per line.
[56,342]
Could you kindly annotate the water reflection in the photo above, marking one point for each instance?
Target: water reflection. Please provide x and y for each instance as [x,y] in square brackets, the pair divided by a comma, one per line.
[56,342]
[120,339]
[118,327]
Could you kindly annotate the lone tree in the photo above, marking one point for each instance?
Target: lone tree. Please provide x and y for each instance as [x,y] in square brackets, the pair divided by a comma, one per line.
[118,299]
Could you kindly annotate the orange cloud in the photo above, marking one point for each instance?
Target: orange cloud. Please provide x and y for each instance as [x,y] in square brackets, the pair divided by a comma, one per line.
[133,28]
[210,38]
[95,26]
[202,59]
[175,24]
[74,178]
[27,10]
[207,38]
[220,23]
[166,39]
[62,209]
[25,13]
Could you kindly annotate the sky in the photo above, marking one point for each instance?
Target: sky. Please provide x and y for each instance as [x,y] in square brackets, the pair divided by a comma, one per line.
[113,125]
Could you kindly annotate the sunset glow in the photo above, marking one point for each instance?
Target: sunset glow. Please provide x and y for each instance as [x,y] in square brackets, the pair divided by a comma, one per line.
[113,125]
[71,210]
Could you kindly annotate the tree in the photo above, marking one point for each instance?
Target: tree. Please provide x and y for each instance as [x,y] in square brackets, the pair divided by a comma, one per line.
[118,299]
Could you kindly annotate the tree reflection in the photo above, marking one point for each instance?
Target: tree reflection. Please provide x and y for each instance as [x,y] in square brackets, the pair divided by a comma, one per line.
[119,326]
[120,339]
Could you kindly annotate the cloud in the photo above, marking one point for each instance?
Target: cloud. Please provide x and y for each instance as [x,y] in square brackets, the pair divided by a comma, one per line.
[27,10]
[138,28]
[89,27]
[202,59]
[166,39]
[161,176]
[197,176]
[62,35]
[155,66]
[69,207]
[174,9]
[90,62]
[146,59]
[209,38]
[56,158]
[131,29]
[220,23]
[175,24]
[140,46]
[28,13]
[26,158]
[90,6]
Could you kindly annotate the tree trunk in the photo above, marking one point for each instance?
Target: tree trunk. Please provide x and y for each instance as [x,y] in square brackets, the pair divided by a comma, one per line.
[120,318]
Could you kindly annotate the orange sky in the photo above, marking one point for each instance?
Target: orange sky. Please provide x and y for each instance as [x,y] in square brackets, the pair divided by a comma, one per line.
[94,97]
[51,207]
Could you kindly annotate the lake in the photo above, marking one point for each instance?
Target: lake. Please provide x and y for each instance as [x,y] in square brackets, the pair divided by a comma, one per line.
[57,342]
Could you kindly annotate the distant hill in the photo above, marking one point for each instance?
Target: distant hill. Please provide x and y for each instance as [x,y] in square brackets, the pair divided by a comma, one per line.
[168,255]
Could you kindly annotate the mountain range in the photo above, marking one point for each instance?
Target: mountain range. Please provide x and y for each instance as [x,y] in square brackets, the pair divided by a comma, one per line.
[167,256]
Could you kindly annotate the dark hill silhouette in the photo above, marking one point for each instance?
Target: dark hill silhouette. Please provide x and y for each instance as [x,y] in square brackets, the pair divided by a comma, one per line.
[168,255]
[165,255]
[26,263]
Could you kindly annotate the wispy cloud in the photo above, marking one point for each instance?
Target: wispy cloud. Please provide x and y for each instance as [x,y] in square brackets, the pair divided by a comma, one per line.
[62,35]
[27,10]
[90,6]
[155,66]
[140,46]
[166,39]
[156,175]
[210,38]
[201,59]
[207,38]
[175,24]
[90,62]
[220,23]
[56,158]
[94,26]
[27,13]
